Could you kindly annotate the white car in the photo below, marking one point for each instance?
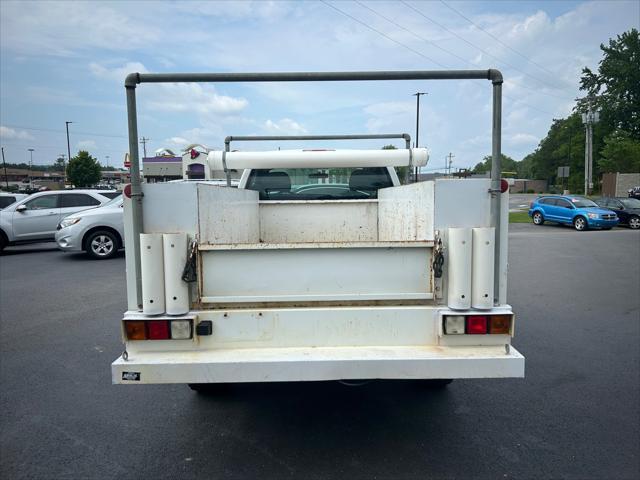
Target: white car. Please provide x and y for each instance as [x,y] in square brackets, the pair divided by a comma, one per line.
[35,218]
[99,231]
[7,199]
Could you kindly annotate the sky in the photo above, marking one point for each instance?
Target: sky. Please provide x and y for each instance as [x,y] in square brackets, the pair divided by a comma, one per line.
[66,61]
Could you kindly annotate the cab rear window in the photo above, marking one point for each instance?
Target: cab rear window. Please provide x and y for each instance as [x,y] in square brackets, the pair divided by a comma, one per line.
[319,184]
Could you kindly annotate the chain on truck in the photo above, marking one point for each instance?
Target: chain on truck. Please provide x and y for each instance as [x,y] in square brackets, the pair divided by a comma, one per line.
[319,265]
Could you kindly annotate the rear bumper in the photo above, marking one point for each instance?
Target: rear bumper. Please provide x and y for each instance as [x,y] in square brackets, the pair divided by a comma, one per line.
[314,364]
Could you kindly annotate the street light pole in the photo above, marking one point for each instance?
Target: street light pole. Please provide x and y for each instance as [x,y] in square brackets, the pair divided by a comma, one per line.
[417,95]
[64,171]
[6,178]
[31,150]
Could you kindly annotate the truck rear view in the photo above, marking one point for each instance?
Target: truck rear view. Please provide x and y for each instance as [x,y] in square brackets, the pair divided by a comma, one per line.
[319,266]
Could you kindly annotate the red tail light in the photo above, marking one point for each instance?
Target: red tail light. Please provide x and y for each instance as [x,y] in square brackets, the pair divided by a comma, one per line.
[476,324]
[158,330]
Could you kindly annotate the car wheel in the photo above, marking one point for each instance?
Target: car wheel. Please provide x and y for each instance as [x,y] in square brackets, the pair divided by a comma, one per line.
[538,219]
[3,242]
[102,245]
[580,223]
[634,222]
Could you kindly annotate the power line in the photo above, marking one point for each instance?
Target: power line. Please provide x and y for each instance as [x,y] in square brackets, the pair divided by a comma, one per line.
[40,129]
[383,34]
[488,54]
[497,39]
[421,54]
[144,141]
[412,33]
[464,60]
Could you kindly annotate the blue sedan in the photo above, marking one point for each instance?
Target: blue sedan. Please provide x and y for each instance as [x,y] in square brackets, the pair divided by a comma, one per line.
[580,212]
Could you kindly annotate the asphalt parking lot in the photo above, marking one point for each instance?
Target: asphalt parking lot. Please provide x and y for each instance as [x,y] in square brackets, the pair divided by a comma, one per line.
[576,415]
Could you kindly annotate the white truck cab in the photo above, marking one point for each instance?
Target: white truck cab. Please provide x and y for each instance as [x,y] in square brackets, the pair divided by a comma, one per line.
[321,265]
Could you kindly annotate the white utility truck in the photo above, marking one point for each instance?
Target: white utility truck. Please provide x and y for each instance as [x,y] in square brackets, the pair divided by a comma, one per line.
[320,265]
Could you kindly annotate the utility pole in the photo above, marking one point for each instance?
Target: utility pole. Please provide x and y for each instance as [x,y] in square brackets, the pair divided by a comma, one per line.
[144,141]
[447,163]
[589,119]
[417,95]
[6,178]
[30,166]
[64,169]
[62,155]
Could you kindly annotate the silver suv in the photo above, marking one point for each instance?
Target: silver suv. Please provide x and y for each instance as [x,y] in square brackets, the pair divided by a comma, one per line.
[35,218]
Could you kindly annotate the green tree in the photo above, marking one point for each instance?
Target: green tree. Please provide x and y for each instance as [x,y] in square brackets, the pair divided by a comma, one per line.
[508,165]
[83,170]
[615,87]
[59,164]
[620,153]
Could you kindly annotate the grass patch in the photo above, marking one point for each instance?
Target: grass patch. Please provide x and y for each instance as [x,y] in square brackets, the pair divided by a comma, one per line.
[519,217]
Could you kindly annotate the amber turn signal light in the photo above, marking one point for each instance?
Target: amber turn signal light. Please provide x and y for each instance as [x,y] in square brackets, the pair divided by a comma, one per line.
[500,324]
[135,330]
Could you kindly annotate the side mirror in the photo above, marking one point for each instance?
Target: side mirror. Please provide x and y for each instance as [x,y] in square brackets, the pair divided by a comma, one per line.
[21,208]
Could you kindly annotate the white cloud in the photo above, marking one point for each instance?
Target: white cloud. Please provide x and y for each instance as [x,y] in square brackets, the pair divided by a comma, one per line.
[176,97]
[11,133]
[117,74]
[519,139]
[209,135]
[59,96]
[382,116]
[65,28]
[177,142]
[285,126]
[238,10]
[86,145]
[195,98]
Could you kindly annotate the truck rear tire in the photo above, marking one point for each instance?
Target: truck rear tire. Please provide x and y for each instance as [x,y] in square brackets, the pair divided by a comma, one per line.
[204,388]
[438,383]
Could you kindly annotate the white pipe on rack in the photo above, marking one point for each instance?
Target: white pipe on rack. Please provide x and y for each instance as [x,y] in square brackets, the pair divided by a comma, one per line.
[416,157]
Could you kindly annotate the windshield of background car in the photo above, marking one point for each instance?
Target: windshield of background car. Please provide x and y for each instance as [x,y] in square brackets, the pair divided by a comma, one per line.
[116,202]
[111,195]
[583,203]
[630,202]
[319,183]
